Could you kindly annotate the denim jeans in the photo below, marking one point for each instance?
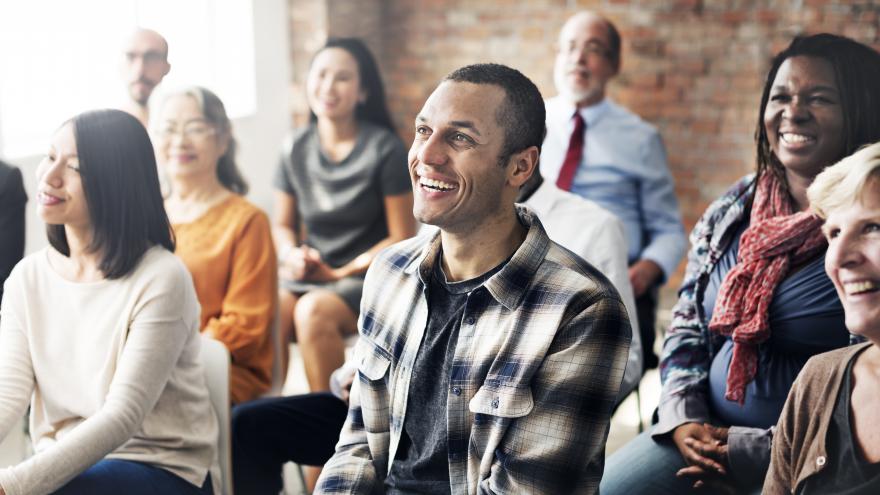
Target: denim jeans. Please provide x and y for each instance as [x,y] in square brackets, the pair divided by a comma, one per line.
[648,466]
[115,476]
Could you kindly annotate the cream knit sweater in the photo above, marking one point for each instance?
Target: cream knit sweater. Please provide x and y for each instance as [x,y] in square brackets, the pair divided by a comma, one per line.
[110,368]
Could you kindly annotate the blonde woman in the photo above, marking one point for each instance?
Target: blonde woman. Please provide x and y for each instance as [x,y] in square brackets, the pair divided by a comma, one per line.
[826,438]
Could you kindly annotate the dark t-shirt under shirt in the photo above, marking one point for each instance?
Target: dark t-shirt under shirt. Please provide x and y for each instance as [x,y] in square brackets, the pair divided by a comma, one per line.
[421,464]
[847,472]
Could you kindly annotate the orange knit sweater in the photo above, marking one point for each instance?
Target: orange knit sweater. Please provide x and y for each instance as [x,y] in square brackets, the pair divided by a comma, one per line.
[230,255]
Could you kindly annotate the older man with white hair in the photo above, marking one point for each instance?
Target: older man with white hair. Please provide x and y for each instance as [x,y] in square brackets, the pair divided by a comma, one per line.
[605,153]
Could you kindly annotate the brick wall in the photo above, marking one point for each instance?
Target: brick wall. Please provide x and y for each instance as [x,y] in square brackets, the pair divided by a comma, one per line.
[694,68]
[308,30]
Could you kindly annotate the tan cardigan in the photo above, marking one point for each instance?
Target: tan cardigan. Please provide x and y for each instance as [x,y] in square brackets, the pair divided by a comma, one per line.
[799,443]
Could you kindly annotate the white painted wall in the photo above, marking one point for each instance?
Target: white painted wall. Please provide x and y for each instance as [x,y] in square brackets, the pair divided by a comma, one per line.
[259,135]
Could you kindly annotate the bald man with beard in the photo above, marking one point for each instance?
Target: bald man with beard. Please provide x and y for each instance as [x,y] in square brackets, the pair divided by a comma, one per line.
[144,66]
[601,151]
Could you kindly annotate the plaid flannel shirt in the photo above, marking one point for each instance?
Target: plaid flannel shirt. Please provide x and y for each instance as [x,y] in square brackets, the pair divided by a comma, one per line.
[537,367]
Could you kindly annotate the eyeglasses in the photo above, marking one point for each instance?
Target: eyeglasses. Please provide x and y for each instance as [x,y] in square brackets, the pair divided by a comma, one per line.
[194,131]
[591,48]
[149,57]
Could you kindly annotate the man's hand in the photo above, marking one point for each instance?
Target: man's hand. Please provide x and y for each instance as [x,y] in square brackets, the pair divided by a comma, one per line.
[704,448]
[345,384]
[643,274]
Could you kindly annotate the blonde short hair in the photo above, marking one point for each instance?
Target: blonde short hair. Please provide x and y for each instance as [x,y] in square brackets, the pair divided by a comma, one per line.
[845,182]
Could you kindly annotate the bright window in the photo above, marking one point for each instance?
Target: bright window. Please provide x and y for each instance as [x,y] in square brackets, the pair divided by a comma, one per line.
[62,57]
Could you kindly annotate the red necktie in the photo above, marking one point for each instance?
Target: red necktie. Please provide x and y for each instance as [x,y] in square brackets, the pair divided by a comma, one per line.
[573,155]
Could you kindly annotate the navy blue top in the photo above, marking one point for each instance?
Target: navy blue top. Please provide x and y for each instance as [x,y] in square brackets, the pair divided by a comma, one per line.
[806,318]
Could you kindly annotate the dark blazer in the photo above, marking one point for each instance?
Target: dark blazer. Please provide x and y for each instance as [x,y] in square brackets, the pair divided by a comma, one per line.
[12,206]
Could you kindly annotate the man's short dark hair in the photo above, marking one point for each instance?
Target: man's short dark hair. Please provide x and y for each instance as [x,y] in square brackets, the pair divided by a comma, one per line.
[521,115]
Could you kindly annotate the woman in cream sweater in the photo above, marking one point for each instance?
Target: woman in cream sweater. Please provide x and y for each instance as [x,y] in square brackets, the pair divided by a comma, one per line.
[100,331]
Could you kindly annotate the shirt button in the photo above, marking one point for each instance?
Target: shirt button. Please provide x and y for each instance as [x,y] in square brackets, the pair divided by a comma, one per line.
[495,402]
[456,390]
[820,461]
[470,320]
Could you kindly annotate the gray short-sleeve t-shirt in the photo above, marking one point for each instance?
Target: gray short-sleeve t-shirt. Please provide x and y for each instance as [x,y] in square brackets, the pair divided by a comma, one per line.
[342,203]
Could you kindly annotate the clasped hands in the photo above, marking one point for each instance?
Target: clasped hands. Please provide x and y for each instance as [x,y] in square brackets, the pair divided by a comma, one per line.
[305,264]
[704,448]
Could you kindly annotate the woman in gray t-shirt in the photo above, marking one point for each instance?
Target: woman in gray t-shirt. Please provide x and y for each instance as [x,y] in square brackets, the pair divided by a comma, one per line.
[343,194]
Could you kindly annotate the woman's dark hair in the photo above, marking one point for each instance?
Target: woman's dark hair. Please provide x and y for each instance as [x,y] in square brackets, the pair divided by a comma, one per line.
[215,114]
[375,108]
[121,188]
[857,74]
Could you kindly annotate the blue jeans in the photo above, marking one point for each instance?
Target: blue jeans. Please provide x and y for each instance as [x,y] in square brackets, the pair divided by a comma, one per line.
[114,476]
[645,465]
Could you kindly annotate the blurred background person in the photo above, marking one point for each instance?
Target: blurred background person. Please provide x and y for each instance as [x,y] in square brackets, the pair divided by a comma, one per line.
[12,208]
[144,65]
[826,439]
[756,302]
[100,331]
[598,149]
[223,239]
[343,194]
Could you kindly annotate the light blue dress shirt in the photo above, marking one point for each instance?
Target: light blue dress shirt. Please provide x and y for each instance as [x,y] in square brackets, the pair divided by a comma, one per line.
[624,170]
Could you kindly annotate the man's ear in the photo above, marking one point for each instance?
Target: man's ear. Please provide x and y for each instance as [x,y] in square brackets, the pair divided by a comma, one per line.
[522,165]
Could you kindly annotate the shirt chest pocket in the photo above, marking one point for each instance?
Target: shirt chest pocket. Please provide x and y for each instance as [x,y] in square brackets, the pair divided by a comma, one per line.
[374,365]
[494,408]
[502,401]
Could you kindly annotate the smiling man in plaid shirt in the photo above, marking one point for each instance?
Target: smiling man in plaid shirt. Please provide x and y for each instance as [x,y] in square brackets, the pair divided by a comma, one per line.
[490,357]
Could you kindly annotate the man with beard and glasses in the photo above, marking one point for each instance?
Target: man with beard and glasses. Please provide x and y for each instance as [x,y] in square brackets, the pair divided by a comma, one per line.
[601,151]
[489,357]
[145,64]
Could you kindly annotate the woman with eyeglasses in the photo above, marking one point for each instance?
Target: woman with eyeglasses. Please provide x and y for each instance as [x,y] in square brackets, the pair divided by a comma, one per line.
[100,330]
[223,239]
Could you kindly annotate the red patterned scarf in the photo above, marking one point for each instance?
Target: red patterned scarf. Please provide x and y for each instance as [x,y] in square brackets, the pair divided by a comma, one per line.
[774,240]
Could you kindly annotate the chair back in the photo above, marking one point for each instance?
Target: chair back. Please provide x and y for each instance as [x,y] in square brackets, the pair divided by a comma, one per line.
[278,376]
[215,360]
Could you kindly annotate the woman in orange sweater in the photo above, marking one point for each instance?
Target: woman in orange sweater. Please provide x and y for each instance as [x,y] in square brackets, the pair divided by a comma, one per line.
[223,239]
